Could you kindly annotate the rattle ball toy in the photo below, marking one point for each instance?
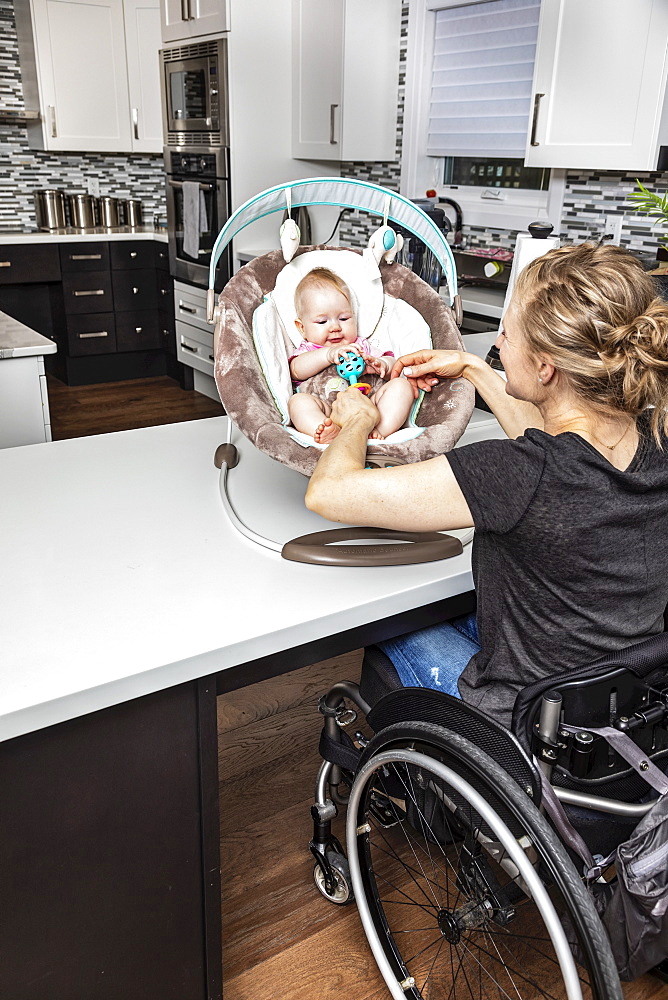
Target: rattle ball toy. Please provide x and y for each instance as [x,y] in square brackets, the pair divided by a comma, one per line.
[349,369]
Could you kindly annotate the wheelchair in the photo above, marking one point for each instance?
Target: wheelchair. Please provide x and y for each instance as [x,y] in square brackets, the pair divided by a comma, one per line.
[463,885]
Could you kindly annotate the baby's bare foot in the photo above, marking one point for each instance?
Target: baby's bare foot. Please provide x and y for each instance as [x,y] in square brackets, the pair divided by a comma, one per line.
[375,436]
[326,431]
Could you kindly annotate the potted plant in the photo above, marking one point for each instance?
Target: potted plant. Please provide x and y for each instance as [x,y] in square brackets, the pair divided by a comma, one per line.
[656,206]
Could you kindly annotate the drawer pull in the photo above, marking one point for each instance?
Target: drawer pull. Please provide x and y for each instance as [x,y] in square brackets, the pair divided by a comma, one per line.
[164,291]
[165,333]
[5,263]
[211,357]
[85,256]
[189,348]
[138,329]
[187,309]
[135,291]
[95,291]
[88,336]
[133,253]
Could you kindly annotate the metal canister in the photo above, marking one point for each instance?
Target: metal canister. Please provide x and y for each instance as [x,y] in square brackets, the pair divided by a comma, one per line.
[109,217]
[82,210]
[50,208]
[133,213]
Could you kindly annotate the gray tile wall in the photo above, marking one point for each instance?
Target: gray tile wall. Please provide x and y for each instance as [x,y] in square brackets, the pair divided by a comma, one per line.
[24,170]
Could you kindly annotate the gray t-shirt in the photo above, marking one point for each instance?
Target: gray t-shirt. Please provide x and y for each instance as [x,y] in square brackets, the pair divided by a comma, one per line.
[570,557]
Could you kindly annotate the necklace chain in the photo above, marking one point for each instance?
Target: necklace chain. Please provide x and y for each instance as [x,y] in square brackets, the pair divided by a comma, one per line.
[611,447]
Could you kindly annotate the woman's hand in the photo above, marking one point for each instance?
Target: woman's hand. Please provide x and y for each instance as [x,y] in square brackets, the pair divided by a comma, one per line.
[351,406]
[423,369]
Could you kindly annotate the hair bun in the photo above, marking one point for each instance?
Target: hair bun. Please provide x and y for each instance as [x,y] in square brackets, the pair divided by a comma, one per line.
[643,339]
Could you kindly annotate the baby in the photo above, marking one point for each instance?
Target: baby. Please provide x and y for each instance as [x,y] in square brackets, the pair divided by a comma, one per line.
[328,327]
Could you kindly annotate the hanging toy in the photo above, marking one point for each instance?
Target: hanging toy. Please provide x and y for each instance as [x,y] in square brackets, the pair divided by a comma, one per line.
[350,368]
[289,237]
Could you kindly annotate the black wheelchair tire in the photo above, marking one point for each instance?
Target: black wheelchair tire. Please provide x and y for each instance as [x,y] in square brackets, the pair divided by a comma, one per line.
[494,784]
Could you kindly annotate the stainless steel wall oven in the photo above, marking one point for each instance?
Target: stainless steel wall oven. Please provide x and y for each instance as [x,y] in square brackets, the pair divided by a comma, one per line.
[209,169]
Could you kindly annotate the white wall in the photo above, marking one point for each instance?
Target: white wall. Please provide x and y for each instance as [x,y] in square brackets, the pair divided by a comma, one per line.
[260,54]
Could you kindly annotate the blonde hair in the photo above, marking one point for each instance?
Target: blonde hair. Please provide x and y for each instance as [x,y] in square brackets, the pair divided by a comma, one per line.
[594,310]
[320,277]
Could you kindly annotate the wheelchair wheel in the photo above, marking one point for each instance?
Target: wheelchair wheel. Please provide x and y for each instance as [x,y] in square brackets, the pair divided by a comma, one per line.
[469,894]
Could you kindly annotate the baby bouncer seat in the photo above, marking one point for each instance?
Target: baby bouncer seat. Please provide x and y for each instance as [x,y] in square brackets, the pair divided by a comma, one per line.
[396,312]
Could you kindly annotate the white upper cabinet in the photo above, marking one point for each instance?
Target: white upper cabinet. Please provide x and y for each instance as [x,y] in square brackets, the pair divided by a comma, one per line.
[599,85]
[143,41]
[81,67]
[186,19]
[92,66]
[345,60]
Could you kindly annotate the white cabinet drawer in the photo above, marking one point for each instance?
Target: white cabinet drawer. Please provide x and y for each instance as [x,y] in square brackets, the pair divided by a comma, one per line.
[194,348]
[190,306]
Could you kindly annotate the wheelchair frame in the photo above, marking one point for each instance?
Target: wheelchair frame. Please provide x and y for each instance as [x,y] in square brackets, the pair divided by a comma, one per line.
[565,754]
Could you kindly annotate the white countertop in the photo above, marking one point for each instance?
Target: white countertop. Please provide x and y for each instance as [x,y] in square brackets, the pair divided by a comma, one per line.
[17,340]
[84,235]
[121,575]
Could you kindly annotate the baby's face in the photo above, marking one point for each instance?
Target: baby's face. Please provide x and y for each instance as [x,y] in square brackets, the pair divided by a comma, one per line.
[327,318]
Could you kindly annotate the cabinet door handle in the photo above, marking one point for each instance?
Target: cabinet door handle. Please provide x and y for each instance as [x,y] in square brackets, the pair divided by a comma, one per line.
[164,291]
[135,122]
[211,357]
[135,291]
[187,309]
[97,291]
[87,336]
[534,123]
[52,114]
[138,329]
[85,256]
[133,253]
[184,10]
[189,348]
[5,263]
[332,117]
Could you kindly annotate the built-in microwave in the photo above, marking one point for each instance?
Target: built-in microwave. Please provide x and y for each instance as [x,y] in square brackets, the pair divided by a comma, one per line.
[194,94]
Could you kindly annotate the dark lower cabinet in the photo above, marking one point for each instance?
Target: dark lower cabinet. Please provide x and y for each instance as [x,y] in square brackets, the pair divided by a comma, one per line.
[117,300]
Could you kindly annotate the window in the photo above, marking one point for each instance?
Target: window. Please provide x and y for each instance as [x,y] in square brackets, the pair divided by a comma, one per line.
[469,81]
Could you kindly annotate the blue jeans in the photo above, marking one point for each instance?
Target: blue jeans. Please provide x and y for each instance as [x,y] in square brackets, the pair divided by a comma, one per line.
[435,656]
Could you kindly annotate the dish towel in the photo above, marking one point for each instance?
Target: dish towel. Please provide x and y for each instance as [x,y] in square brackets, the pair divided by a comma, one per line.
[195,221]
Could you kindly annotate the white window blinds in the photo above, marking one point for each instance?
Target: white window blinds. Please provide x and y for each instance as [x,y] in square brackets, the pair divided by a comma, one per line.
[482,76]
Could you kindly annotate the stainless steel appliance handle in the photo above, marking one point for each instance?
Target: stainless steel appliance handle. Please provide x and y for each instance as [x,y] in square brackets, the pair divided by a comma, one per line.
[187,309]
[179,184]
[184,10]
[193,350]
[87,336]
[534,123]
[52,113]
[332,116]
[135,121]
[96,291]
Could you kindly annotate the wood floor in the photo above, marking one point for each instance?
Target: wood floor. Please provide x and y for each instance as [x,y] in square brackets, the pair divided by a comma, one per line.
[78,411]
[281,940]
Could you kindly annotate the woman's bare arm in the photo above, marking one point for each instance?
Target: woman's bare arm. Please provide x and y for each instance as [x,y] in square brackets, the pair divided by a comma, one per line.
[424,496]
[514,415]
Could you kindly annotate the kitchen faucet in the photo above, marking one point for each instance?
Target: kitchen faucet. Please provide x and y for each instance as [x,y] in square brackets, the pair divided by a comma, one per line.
[457,236]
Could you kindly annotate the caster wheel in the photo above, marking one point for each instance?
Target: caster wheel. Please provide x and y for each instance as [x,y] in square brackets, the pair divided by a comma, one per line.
[343,890]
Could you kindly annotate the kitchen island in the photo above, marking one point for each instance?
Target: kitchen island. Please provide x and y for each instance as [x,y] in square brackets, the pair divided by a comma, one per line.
[24,402]
[128,602]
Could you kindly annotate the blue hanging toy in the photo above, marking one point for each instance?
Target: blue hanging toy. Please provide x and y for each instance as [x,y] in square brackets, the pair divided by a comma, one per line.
[350,368]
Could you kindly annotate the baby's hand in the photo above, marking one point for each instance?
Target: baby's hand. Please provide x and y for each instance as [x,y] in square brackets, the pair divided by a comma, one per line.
[337,353]
[376,366]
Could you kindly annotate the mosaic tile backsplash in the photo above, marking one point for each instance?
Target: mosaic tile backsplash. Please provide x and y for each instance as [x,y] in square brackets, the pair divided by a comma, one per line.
[24,170]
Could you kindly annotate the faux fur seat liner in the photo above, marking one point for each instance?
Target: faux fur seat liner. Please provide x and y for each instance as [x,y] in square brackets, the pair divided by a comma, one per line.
[249,403]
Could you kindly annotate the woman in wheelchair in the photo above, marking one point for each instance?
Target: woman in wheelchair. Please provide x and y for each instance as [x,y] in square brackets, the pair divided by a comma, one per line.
[462,885]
